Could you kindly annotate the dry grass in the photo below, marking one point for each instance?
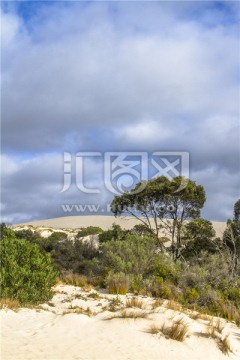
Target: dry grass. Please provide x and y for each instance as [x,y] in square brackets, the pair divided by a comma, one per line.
[129,314]
[75,280]
[115,304]
[173,305]
[6,303]
[118,284]
[94,296]
[156,304]
[78,310]
[219,325]
[154,329]
[193,315]
[224,345]
[178,330]
[134,302]
[214,330]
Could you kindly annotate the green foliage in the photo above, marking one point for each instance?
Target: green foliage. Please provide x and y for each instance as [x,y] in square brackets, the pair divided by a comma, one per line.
[90,230]
[27,274]
[199,235]
[191,295]
[178,199]
[135,255]
[5,231]
[231,236]
[116,233]
[49,243]
[28,235]
[166,269]
[74,255]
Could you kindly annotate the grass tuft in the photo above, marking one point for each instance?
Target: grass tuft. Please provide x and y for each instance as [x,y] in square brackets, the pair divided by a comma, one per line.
[6,303]
[129,314]
[224,345]
[178,330]
[134,302]
[75,280]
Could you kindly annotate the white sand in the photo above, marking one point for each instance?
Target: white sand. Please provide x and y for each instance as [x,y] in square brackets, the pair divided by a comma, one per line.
[105,222]
[49,335]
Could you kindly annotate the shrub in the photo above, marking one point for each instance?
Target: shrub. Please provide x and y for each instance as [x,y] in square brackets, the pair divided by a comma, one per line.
[191,295]
[166,268]
[135,255]
[117,283]
[27,234]
[73,255]
[116,233]
[27,274]
[90,230]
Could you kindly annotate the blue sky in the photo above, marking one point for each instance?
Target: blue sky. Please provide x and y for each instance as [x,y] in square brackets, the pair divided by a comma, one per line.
[117,76]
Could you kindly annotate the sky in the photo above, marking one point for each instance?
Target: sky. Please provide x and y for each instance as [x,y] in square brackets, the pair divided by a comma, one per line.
[101,79]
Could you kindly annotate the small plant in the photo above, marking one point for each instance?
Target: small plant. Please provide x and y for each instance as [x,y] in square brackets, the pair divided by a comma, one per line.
[78,310]
[156,304]
[173,305]
[154,329]
[135,303]
[6,303]
[178,330]
[115,304]
[50,304]
[204,317]
[219,325]
[94,296]
[194,315]
[214,331]
[75,280]
[215,328]
[224,345]
[118,283]
[129,314]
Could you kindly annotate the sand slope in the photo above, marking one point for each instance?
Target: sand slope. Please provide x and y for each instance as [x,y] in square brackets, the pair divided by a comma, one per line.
[105,222]
[31,334]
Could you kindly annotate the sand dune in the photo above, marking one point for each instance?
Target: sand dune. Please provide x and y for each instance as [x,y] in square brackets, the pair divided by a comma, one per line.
[105,222]
[59,331]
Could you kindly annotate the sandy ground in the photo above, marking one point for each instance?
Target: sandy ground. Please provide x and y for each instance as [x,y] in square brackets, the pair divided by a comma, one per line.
[59,330]
[105,222]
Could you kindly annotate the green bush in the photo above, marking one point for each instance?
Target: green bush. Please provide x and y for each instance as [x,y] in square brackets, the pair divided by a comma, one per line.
[135,255]
[191,295]
[27,274]
[74,255]
[116,233]
[90,230]
[166,268]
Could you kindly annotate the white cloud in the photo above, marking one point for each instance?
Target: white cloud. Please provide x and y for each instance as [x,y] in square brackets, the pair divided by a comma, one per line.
[10,26]
[123,76]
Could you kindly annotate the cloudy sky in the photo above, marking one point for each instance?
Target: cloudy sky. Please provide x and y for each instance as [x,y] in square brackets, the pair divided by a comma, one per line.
[121,76]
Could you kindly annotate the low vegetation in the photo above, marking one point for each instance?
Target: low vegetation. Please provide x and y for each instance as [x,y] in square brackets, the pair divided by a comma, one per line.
[27,273]
[128,314]
[177,330]
[192,270]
